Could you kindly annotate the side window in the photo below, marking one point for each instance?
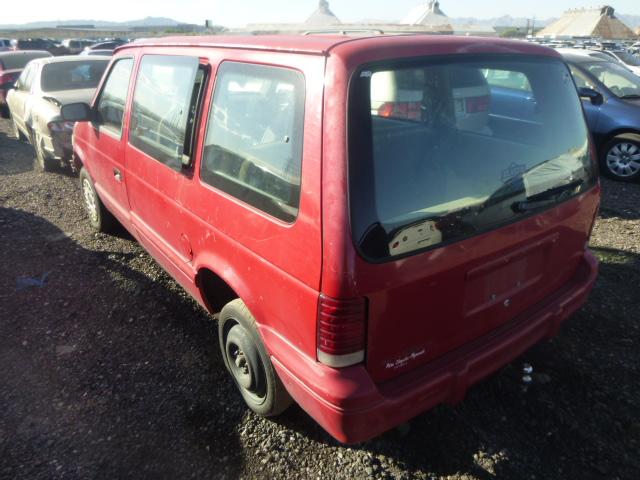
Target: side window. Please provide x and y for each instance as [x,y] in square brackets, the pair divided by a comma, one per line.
[508,79]
[113,96]
[27,78]
[22,78]
[253,148]
[163,107]
[581,79]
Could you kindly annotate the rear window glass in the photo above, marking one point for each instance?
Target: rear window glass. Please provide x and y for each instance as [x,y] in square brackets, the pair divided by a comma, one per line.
[444,150]
[507,79]
[253,148]
[15,62]
[72,75]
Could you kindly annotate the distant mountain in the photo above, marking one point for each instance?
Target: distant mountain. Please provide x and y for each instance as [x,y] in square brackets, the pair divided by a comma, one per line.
[504,21]
[632,21]
[145,22]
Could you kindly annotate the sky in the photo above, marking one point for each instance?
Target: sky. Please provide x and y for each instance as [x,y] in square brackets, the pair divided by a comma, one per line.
[241,12]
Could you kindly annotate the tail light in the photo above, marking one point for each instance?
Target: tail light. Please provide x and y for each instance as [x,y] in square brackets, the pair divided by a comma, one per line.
[341,331]
[478,104]
[406,110]
[8,77]
[61,127]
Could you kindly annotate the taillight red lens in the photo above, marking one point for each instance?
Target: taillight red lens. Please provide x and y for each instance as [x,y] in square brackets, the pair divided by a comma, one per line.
[341,331]
[406,110]
[478,104]
[8,77]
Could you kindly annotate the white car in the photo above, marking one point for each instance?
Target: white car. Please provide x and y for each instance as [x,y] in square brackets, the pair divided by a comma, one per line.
[44,86]
[629,60]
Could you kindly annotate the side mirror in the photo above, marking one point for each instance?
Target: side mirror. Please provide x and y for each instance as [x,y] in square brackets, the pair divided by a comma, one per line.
[77,112]
[595,97]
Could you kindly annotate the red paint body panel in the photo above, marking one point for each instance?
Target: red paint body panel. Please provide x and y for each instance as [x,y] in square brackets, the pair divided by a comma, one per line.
[352,408]
[437,321]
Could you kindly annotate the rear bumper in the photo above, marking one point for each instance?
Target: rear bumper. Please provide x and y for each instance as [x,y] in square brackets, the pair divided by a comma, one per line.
[353,409]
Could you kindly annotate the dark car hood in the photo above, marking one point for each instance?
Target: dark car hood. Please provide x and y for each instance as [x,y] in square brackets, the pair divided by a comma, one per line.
[65,97]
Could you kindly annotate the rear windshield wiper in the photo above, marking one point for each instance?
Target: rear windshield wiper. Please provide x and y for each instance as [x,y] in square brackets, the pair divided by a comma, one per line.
[547,197]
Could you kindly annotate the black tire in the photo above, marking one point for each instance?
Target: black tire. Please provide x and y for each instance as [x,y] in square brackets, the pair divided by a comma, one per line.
[248,363]
[43,162]
[620,158]
[100,218]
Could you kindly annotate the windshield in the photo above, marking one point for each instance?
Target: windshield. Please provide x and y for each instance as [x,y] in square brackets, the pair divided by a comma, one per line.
[72,75]
[629,58]
[616,78]
[441,151]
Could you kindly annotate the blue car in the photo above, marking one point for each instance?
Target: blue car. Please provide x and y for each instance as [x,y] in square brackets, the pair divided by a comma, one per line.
[611,97]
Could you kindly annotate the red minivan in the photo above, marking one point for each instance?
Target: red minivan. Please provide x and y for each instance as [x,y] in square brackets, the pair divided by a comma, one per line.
[378,223]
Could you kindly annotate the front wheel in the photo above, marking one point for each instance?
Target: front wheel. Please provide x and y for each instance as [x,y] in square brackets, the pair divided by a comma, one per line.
[248,362]
[100,218]
[620,159]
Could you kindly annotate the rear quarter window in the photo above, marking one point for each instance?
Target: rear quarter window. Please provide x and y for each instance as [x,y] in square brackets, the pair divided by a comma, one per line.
[253,148]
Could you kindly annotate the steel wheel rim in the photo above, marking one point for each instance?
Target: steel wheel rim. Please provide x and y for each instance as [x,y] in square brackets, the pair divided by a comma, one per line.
[89,200]
[623,159]
[240,367]
[243,374]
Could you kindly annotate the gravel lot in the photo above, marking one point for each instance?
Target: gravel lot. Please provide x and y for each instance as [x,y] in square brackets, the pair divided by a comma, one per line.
[108,369]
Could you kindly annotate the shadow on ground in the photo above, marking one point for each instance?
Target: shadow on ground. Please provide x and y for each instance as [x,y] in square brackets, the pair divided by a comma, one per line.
[105,372]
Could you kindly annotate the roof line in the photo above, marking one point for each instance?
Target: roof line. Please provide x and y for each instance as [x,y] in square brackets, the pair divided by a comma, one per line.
[229,46]
[265,48]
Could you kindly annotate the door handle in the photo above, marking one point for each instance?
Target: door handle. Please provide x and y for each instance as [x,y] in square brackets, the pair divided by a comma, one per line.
[117,174]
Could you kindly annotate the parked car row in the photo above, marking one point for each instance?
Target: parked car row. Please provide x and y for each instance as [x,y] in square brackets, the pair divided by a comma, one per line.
[68,46]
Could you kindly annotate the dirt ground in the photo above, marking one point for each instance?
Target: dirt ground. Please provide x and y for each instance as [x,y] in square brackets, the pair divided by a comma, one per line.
[109,370]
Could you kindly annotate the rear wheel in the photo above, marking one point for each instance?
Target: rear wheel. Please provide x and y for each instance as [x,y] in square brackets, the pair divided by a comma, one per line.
[620,158]
[100,218]
[248,362]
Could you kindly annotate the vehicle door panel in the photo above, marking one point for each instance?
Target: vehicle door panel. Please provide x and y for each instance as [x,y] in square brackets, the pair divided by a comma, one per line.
[105,140]
[155,150]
